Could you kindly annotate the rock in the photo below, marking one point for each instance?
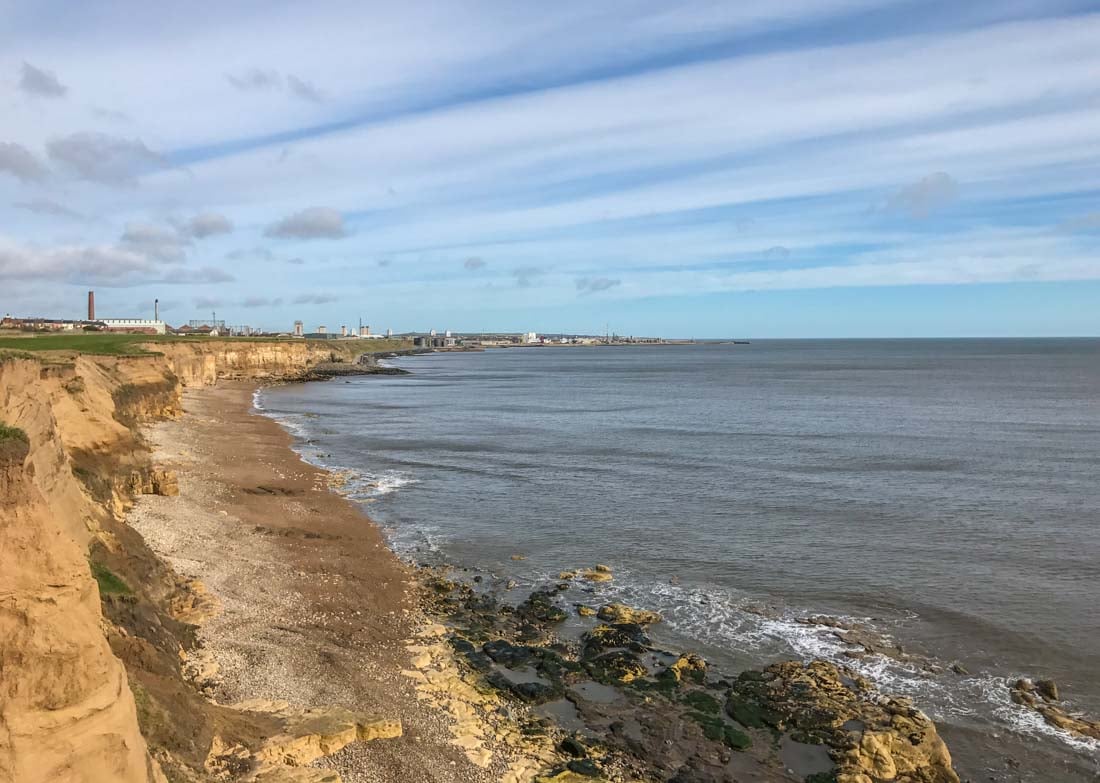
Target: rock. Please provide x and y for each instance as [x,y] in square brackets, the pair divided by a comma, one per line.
[585,611]
[585,767]
[596,575]
[618,666]
[621,613]
[571,746]
[530,692]
[689,666]
[1048,689]
[307,735]
[606,637]
[958,668]
[567,575]
[1039,695]
[821,700]
[519,557]
[540,608]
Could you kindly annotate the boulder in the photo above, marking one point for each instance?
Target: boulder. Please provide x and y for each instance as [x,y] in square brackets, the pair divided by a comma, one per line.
[621,613]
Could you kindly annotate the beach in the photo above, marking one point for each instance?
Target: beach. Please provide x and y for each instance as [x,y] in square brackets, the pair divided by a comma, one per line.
[314,608]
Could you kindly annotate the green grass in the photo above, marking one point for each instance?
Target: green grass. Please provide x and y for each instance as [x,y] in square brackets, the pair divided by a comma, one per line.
[12,433]
[138,344]
[107,344]
[109,582]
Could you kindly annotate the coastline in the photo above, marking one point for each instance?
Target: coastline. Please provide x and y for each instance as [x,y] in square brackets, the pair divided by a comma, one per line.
[313,608]
[992,753]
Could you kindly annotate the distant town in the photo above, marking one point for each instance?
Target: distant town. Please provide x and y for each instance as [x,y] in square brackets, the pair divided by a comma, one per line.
[215,327]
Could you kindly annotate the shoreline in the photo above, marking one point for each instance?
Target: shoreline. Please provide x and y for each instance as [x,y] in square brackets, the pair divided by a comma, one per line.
[313,607]
[316,609]
[986,750]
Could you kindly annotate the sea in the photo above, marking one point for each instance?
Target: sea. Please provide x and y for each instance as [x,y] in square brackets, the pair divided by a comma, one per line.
[942,494]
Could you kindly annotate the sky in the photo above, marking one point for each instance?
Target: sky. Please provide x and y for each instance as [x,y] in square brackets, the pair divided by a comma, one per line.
[789,168]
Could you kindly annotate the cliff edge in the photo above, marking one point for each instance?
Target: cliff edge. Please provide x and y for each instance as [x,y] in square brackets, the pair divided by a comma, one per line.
[94,628]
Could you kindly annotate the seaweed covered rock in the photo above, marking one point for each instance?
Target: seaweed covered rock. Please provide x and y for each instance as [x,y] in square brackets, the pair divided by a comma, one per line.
[540,608]
[607,637]
[870,737]
[688,666]
[617,666]
[621,613]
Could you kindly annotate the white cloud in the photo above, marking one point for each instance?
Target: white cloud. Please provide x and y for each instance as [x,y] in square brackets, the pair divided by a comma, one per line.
[922,198]
[45,206]
[208,224]
[40,82]
[311,223]
[590,285]
[20,162]
[99,157]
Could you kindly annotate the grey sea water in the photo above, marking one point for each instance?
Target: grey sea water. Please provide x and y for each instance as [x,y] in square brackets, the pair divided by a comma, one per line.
[945,492]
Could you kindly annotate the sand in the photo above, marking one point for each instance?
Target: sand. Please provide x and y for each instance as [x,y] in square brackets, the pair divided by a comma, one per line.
[314,608]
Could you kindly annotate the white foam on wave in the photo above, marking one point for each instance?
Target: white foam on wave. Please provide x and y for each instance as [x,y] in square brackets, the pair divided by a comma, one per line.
[364,485]
[722,620]
[257,401]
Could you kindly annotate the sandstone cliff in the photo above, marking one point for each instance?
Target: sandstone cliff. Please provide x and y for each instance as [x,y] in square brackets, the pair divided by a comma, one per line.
[67,708]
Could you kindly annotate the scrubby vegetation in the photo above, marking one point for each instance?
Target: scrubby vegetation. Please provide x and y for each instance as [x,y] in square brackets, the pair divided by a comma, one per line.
[109,582]
[12,434]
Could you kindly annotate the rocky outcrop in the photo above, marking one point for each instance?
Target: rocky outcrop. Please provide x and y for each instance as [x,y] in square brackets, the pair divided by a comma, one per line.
[621,613]
[1043,697]
[871,738]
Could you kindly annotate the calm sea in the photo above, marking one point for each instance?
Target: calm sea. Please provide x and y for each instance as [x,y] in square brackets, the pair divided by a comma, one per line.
[944,492]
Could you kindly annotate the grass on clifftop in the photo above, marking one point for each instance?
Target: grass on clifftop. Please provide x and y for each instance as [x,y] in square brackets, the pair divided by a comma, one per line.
[136,344]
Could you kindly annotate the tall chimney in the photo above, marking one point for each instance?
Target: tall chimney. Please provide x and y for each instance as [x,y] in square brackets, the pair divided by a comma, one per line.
[91,305]
[156,309]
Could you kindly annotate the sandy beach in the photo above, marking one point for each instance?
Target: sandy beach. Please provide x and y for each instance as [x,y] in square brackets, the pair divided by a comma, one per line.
[314,609]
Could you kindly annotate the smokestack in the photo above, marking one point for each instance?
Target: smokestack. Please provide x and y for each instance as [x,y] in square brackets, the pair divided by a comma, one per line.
[156,309]
[91,305]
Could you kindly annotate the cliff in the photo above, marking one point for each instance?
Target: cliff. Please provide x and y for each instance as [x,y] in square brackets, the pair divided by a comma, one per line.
[89,616]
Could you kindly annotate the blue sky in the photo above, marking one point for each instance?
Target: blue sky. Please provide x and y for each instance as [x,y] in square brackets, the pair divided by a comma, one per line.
[787,168]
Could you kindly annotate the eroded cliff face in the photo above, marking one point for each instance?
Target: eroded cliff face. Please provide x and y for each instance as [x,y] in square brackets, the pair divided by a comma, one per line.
[67,709]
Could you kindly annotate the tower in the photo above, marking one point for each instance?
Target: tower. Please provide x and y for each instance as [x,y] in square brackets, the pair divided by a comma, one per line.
[299,329]
[91,305]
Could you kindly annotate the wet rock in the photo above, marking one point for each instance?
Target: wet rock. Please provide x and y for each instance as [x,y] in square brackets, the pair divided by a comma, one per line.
[571,746]
[540,608]
[585,611]
[607,637]
[511,655]
[585,767]
[822,702]
[688,667]
[617,666]
[958,668]
[601,573]
[532,692]
[621,613]
[1041,695]
[1048,689]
